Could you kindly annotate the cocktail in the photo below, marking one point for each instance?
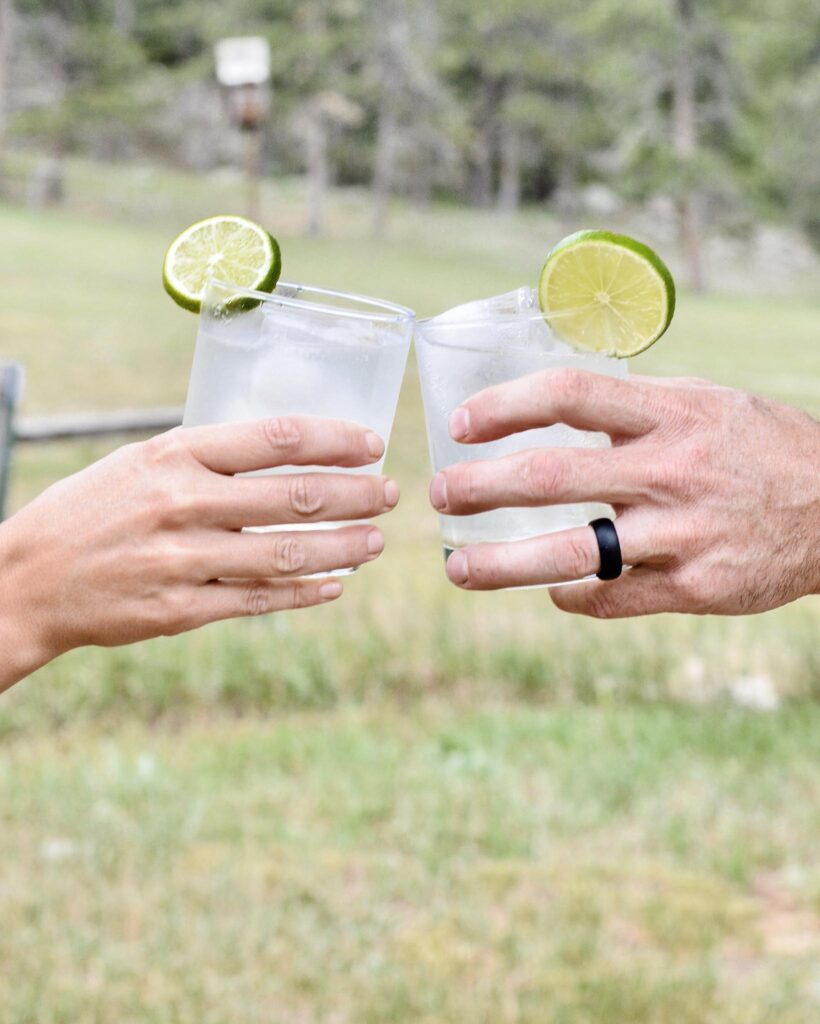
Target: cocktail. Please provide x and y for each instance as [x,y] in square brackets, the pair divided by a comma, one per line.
[298,350]
[602,297]
[489,342]
[267,349]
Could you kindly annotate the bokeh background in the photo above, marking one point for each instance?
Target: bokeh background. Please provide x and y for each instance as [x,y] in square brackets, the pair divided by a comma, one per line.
[416,805]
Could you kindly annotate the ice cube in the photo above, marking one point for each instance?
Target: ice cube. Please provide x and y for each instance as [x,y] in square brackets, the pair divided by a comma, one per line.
[288,377]
[318,329]
[520,324]
[522,300]
[241,329]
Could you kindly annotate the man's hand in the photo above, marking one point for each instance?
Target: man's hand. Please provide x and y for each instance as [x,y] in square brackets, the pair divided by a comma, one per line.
[717,494]
[148,541]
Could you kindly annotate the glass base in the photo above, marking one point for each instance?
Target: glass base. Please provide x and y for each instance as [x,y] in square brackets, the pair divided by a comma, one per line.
[530,586]
[332,573]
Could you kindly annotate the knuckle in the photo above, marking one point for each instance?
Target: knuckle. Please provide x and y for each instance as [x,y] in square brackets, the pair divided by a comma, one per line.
[174,506]
[543,475]
[676,477]
[682,407]
[573,559]
[568,386]
[257,598]
[306,496]
[164,448]
[298,597]
[168,559]
[134,451]
[749,404]
[172,615]
[689,590]
[670,543]
[282,433]
[288,556]
[157,499]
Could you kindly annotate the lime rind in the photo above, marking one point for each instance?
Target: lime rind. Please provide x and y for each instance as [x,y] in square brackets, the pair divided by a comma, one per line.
[574,293]
[226,247]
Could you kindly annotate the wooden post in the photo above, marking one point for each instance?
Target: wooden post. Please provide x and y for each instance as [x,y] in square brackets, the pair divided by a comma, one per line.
[243,69]
[11,386]
[253,172]
[250,109]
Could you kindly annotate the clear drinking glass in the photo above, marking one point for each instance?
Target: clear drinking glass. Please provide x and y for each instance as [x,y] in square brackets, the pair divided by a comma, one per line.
[301,351]
[490,342]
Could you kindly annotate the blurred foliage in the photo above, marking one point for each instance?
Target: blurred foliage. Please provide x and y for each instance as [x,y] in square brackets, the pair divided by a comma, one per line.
[493,103]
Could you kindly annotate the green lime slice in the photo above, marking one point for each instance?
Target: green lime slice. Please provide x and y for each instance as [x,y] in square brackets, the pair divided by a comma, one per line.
[604,292]
[231,249]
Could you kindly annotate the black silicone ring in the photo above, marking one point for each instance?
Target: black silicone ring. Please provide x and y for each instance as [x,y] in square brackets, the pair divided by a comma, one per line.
[612,564]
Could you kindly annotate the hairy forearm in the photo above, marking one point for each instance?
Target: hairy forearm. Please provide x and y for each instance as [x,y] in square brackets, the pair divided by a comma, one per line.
[812,456]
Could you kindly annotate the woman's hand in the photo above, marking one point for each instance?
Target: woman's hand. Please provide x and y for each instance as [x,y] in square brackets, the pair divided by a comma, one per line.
[717,494]
[148,541]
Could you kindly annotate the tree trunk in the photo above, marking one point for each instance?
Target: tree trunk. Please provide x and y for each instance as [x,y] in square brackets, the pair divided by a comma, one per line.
[6,16]
[509,189]
[384,168]
[421,187]
[394,40]
[317,170]
[565,197]
[686,143]
[481,179]
[482,185]
[125,16]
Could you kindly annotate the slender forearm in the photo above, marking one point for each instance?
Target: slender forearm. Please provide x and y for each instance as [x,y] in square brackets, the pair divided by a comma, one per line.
[21,649]
[17,660]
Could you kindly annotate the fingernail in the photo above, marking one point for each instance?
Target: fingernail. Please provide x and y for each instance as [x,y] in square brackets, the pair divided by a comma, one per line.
[375,542]
[460,424]
[328,591]
[438,492]
[457,568]
[391,493]
[375,445]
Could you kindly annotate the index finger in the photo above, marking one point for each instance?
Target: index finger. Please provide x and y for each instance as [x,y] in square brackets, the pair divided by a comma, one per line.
[232,448]
[588,401]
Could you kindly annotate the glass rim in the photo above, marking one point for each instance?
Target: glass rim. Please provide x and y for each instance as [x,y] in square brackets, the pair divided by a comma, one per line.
[393,312]
[523,316]
[442,337]
[511,346]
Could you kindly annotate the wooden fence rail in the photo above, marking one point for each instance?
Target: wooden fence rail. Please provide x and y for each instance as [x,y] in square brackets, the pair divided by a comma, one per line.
[11,390]
[42,429]
[39,429]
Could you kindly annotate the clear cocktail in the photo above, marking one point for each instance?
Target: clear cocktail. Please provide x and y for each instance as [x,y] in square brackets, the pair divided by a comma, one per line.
[473,347]
[298,351]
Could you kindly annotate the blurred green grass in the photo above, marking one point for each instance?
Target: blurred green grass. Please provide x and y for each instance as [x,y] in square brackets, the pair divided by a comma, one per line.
[417,804]
[442,863]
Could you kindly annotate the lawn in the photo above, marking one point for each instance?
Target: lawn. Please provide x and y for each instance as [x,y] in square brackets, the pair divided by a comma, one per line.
[417,805]
[443,863]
